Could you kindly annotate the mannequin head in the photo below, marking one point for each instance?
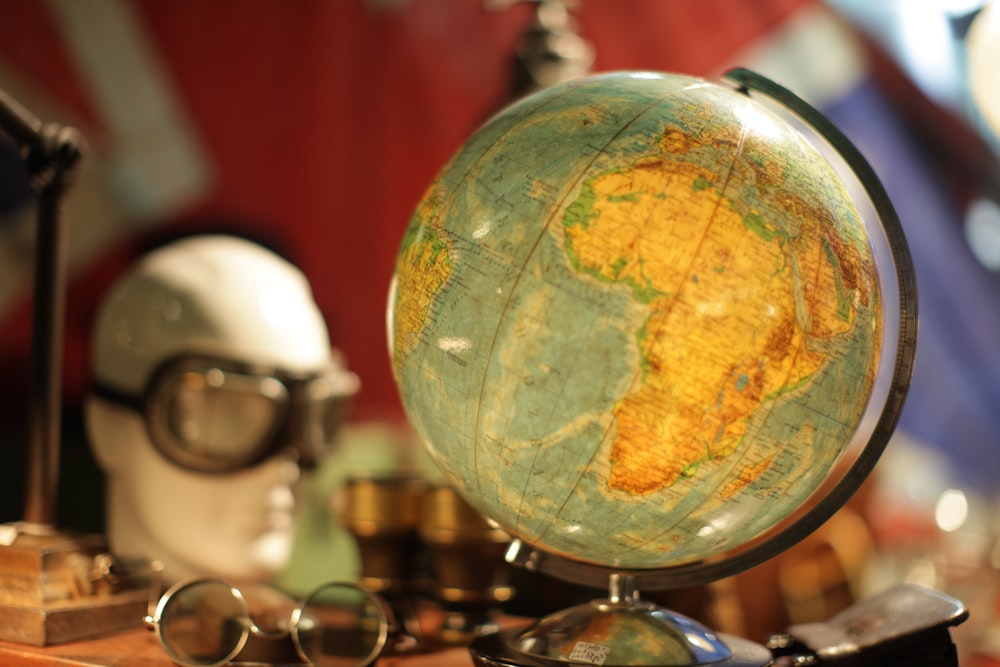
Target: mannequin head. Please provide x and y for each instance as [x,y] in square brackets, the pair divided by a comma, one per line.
[213,378]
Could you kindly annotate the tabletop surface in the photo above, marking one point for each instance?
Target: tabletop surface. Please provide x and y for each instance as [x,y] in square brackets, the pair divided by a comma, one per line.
[140,648]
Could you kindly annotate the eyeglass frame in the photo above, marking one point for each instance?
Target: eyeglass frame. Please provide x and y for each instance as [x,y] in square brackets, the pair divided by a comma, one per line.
[391,635]
[275,440]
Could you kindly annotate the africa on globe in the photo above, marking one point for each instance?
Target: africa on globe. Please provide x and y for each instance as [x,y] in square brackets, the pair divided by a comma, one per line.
[636,320]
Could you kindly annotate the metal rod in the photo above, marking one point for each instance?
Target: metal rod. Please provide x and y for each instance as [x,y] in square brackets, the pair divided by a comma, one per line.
[50,153]
[19,123]
[48,317]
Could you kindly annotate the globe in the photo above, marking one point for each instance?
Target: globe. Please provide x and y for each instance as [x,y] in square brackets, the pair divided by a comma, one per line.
[638,320]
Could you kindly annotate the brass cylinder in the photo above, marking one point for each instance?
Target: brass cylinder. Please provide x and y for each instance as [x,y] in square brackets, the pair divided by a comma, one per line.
[446,518]
[466,560]
[382,514]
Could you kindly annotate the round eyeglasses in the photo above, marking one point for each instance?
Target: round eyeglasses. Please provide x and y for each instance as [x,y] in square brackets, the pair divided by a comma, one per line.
[206,622]
[218,415]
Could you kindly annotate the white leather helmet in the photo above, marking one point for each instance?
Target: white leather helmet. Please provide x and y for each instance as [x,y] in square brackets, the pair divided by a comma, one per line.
[219,344]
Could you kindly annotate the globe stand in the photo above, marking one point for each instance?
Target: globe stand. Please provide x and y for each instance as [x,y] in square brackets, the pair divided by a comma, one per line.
[623,625]
[518,454]
[621,629]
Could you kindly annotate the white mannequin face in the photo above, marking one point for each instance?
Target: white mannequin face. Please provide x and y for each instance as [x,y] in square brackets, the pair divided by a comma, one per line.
[216,297]
[237,525]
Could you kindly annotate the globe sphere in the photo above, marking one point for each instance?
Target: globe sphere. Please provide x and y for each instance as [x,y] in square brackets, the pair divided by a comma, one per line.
[636,319]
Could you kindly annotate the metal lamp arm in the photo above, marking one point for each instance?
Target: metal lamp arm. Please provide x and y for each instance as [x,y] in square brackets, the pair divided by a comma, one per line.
[50,153]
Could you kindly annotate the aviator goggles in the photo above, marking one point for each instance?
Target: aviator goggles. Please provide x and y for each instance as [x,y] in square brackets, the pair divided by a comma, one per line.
[219,416]
[207,622]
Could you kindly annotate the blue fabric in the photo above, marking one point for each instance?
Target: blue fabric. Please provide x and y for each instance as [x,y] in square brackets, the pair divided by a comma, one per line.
[954,399]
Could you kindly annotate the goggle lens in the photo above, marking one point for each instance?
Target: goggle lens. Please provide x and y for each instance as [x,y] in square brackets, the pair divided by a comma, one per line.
[219,416]
[217,419]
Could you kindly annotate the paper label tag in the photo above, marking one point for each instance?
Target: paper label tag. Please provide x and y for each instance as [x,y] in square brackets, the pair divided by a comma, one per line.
[593,654]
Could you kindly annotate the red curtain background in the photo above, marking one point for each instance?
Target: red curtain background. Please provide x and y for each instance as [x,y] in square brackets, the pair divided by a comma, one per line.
[325,120]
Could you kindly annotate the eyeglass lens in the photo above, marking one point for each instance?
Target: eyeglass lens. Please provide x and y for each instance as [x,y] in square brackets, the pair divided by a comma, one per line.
[203,624]
[340,625]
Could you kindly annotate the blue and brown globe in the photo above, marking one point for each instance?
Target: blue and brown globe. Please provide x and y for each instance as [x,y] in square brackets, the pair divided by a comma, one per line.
[636,320]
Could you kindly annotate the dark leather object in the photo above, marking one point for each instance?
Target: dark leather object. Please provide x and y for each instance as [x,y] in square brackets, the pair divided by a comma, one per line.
[906,625]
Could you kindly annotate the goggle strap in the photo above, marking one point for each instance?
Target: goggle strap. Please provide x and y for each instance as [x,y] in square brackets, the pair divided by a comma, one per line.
[119,396]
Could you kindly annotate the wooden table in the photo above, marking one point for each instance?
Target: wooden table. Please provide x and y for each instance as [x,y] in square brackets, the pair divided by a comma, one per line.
[124,649]
[140,648]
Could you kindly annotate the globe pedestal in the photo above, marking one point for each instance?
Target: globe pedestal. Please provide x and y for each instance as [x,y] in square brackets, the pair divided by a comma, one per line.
[634,631]
[496,651]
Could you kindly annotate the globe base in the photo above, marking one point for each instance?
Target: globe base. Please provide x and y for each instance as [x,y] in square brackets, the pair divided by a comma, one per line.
[618,630]
[498,650]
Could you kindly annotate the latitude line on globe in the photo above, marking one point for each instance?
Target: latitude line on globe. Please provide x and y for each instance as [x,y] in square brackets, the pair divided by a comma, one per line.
[735,461]
[724,187]
[530,254]
[506,305]
[772,404]
[726,180]
[734,464]
[553,99]
[611,423]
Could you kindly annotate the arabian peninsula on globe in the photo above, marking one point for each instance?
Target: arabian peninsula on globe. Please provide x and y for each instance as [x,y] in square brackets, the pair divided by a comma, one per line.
[636,319]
